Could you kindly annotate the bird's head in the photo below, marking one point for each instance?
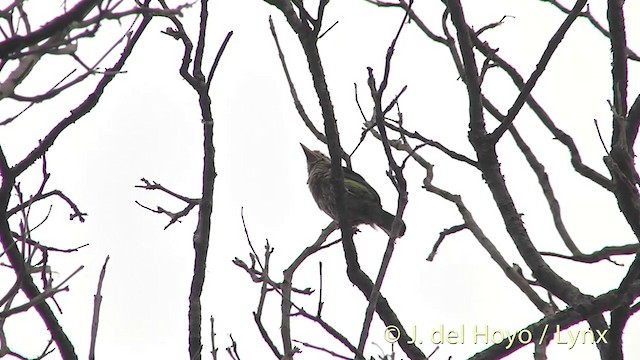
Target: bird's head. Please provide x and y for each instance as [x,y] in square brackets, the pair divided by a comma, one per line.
[314,157]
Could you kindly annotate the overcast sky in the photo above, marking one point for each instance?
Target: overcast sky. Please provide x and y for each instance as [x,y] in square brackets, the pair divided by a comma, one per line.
[148,125]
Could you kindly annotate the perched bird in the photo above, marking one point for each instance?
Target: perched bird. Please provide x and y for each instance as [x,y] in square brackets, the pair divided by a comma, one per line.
[362,201]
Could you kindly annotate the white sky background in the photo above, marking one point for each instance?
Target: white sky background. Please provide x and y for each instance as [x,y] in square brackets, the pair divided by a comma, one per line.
[147,124]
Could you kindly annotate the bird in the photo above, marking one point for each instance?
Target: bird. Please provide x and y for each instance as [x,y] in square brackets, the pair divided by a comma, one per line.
[361,199]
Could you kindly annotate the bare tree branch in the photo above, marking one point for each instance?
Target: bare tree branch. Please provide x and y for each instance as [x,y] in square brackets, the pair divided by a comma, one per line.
[97,303]
[560,321]
[554,42]
[202,233]
[589,16]
[17,42]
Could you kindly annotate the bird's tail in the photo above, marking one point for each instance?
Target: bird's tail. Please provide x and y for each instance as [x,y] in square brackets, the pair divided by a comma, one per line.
[385,222]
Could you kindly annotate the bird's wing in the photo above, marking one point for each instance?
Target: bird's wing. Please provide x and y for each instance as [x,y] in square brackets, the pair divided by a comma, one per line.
[358,186]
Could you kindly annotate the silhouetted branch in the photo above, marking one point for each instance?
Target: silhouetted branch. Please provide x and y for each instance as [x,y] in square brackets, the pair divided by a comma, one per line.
[553,44]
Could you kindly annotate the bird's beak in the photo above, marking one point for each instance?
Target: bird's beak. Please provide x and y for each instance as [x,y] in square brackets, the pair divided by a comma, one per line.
[309,154]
